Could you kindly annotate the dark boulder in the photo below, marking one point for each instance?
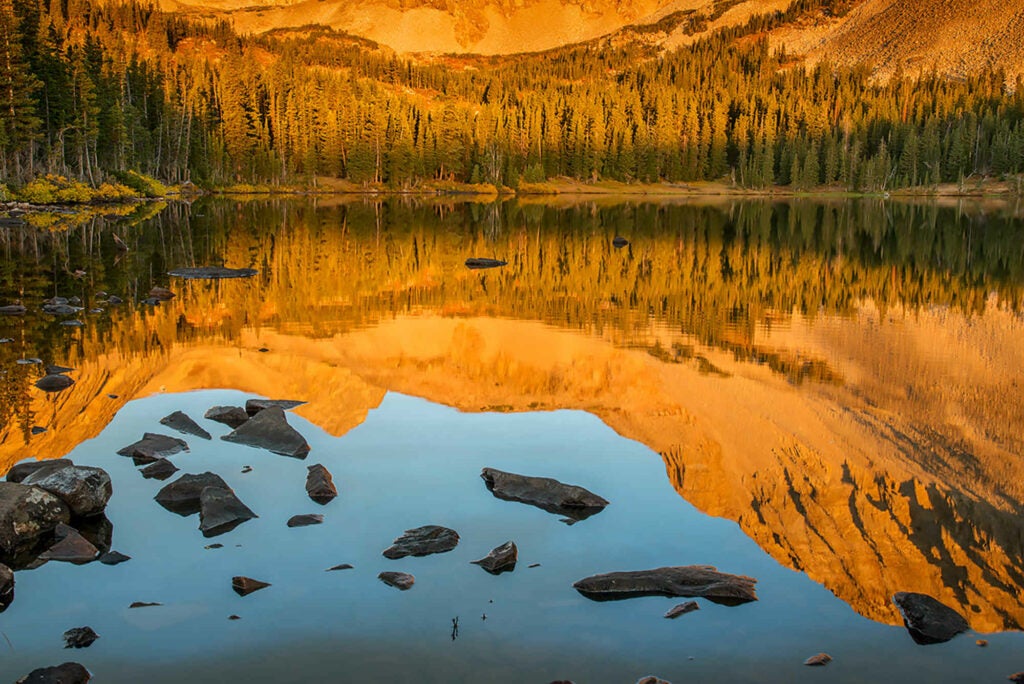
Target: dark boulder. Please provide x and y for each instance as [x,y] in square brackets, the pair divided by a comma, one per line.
[254,406]
[54,383]
[244,586]
[114,558]
[183,495]
[20,471]
[269,429]
[84,489]
[160,469]
[153,446]
[71,547]
[305,520]
[687,581]
[6,587]
[398,580]
[575,503]
[182,423]
[320,484]
[68,673]
[423,541]
[477,263]
[27,514]
[501,559]
[682,609]
[221,511]
[928,620]
[80,637]
[232,416]
[211,273]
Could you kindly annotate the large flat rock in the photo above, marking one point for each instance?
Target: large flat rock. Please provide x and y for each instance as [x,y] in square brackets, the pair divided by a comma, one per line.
[183,496]
[423,541]
[221,511]
[181,422]
[928,620]
[571,501]
[687,581]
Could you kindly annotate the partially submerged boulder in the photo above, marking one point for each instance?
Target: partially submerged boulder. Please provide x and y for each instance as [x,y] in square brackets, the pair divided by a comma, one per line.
[54,383]
[305,520]
[84,489]
[26,515]
[423,541]
[80,637]
[571,501]
[927,620]
[232,416]
[269,429]
[181,422]
[71,547]
[20,471]
[501,559]
[686,581]
[160,469]
[221,511]
[153,446]
[320,484]
[244,586]
[183,495]
[254,406]
[67,673]
[398,580]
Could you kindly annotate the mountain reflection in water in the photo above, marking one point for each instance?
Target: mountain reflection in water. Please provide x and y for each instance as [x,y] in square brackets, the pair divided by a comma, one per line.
[842,379]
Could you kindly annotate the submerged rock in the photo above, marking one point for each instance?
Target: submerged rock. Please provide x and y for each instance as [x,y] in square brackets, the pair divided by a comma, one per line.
[221,511]
[244,586]
[320,484]
[254,406]
[211,272]
[501,559]
[161,294]
[682,609]
[26,514]
[476,263]
[305,520]
[183,495]
[114,558]
[423,541]
[928,620]
[54,383]
[575,503]
[85,490]
[232,416]
[80,637]
[71,547]
[182,423]
[160,469]
[67,673]
[269,429]
[6,587]
[818,660]
[398,580]
[22,470]
[688,581]
[153,446]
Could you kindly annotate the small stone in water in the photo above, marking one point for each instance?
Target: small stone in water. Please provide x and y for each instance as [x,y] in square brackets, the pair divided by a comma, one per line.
[112,396]
[305,520]
[343,566]
[244,586]
[214,546]
[144,604]
[246,469]
[682,609]
[533,565]
[80,637]
[1017,677]
[399,580]
[819,660]
[114,558]
[234,617]
[982,643]
[38,429]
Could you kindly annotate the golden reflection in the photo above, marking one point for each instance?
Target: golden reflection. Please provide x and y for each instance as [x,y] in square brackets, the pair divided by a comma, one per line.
[859,416]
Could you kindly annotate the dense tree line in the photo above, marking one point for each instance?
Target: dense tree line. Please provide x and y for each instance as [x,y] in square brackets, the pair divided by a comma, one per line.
[88,89]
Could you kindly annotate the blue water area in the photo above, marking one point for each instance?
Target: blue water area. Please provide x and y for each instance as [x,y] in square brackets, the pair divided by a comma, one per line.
[413,463]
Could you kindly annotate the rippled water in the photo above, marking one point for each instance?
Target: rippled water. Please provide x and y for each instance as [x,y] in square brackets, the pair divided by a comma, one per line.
[808,393]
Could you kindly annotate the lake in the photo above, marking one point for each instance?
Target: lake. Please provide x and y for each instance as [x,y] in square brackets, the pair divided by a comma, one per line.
[825,395]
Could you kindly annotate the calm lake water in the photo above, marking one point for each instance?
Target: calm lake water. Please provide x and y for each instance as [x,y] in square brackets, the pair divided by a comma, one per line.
[826,396]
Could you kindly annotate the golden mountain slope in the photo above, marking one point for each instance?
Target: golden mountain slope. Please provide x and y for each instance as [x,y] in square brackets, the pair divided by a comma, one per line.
[957,37]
